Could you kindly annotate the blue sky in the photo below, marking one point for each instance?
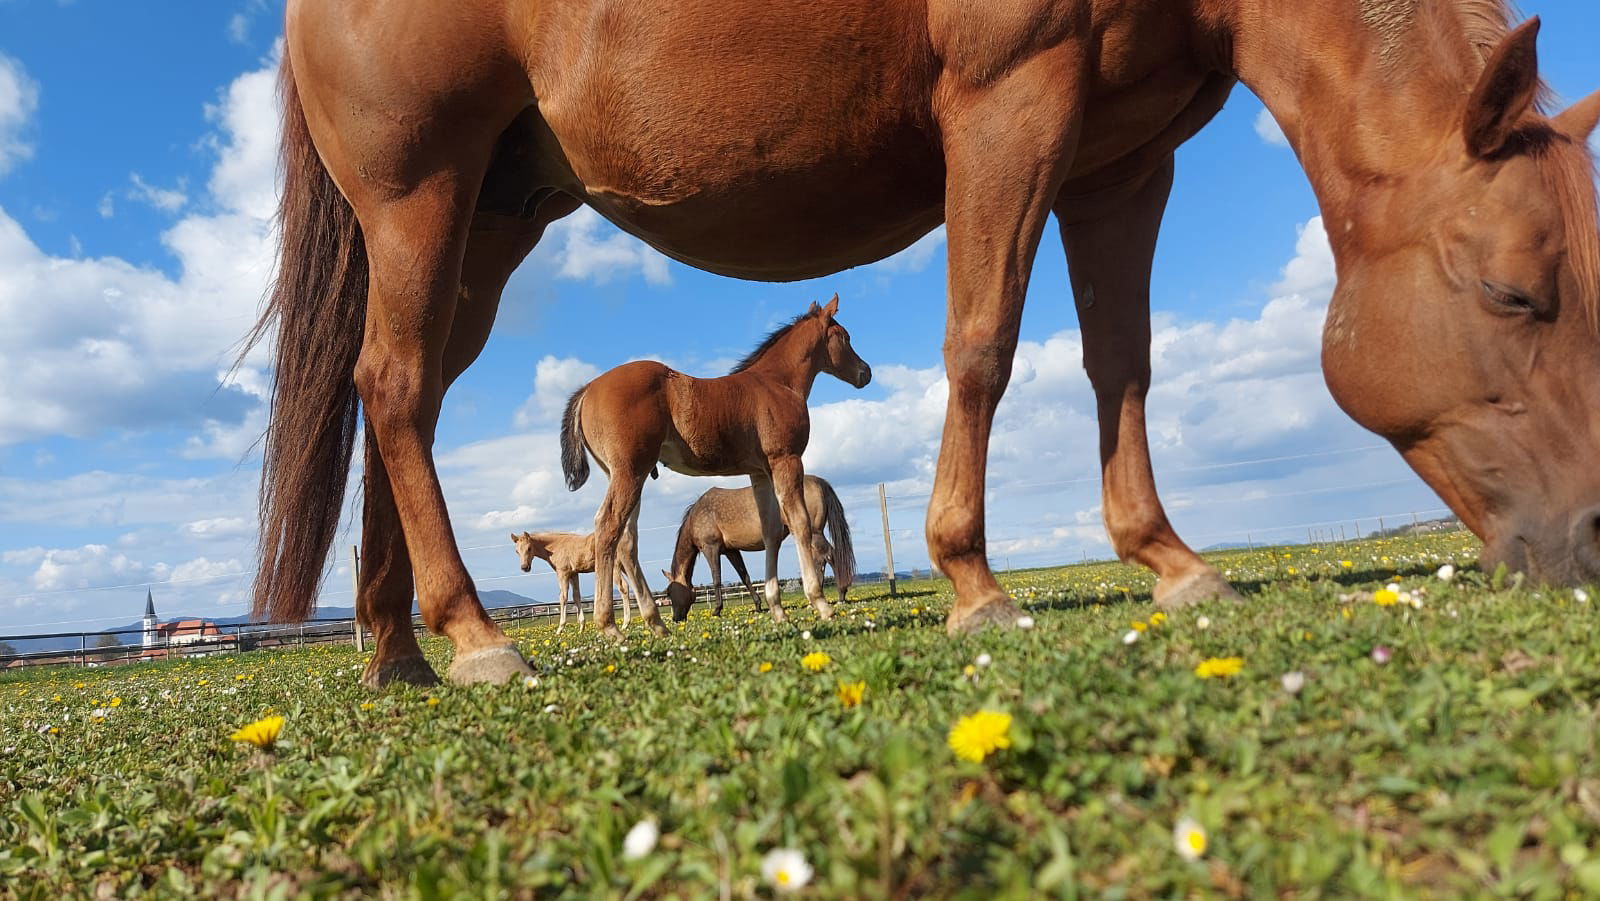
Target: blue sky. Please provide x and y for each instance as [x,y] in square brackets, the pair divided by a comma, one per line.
[136,187]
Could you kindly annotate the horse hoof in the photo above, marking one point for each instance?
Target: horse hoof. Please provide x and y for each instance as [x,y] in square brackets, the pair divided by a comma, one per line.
[659,629]
[612,632]
[824,610]
[410,670]
[1204,585]
[494,666]
[999,613]
[778,616]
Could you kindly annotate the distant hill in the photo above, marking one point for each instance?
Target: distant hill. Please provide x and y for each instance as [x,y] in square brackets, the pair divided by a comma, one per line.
[131,634]
[1227,546]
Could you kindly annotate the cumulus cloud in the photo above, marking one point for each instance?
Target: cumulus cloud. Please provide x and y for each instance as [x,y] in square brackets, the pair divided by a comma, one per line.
[915,258]
[593,250]
[19,99]
[167,200]
[554,380]
[1268,130]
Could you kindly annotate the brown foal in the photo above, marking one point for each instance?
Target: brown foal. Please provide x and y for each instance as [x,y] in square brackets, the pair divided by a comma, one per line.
[752,422]
[427,146]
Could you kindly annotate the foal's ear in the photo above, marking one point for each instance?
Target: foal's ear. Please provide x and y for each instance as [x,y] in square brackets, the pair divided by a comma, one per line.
[1505,92]
[832,309]
[1578,120]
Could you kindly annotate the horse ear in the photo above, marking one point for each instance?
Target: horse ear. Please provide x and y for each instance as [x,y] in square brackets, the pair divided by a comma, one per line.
[1505,92]
[667,574]
[1578,120]
[832,309]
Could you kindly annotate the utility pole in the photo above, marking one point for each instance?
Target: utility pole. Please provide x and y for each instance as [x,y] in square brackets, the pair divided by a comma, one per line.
[888,546]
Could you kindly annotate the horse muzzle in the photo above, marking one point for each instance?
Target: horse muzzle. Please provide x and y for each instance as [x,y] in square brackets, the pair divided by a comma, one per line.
[1564,552]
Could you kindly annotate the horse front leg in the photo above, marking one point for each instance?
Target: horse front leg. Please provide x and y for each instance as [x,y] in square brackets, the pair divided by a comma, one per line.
[788,483]
[1110,253]
[1008,143]
[561,601]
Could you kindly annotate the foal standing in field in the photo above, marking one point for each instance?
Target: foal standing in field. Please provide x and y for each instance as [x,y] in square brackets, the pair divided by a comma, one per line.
[752,421]
[725,521]
[569,554]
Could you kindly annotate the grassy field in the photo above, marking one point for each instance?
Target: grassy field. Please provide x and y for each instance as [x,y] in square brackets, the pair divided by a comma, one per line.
[1445,749]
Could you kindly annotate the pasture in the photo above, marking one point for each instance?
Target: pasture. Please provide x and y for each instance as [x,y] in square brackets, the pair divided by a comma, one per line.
[1441,749]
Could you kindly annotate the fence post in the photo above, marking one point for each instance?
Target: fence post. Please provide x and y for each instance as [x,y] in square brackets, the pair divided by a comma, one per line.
[83,649]
[1381,529]
[888,546]
[1248,542]
[355,618]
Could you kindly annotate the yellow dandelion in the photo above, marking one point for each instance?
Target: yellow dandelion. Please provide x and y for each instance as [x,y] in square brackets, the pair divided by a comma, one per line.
[1139,626]
[765,667]
[261,733]
[433,701]
[1157,618]
[981,734]
[850,693]
[815,661]
[367,705]
[1383,597]
[969,671]
[115,702]
[1219,667]
[915,611]
[1346,612]
[1291,570]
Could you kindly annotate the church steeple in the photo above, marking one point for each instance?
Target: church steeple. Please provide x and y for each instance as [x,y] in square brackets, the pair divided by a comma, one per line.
[149,618]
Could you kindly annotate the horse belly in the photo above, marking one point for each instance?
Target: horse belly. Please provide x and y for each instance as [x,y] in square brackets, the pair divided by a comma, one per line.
[739,137]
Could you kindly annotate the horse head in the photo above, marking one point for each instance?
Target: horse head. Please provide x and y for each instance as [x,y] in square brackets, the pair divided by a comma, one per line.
[1464,325]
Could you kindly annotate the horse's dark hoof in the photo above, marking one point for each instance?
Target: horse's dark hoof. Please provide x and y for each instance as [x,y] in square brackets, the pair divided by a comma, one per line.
[659,629]
[412,670]
[492,666]
[999,613]
[1202,585]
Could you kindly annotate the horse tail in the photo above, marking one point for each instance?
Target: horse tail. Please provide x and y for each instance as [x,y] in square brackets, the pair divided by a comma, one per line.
[574,459]
[844,551]
[318,304]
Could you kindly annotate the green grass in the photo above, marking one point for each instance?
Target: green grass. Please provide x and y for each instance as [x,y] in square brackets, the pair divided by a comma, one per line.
[1465,765]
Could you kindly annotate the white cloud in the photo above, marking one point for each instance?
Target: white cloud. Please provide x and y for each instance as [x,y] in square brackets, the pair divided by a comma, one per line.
[554,380]
[239,23]
[219,527]
[593,250]
[19,99]
[1268,130]
[95,344]
[168,200]
[915,258]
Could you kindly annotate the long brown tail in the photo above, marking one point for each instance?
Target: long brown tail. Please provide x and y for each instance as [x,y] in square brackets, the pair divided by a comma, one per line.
[844,551]
[319,305]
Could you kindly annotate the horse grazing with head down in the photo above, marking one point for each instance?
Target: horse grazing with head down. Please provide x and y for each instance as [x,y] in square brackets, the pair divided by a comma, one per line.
[569,554]
[752,421]
[724,521]
[781,141]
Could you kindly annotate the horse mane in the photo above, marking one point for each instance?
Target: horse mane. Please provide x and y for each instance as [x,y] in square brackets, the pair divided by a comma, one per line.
[1568,170]
[767,342]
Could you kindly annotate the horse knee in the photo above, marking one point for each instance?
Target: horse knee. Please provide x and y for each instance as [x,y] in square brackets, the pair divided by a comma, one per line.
[395,388]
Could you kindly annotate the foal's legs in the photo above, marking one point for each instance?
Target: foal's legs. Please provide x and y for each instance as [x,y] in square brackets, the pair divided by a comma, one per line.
[561,600]
[713,557]
[1007,144]
[772,537]
[1110,255]
[789,485]
[627,597]
[628,564]
[737,559]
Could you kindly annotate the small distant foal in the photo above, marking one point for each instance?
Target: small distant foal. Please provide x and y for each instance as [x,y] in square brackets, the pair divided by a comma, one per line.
[752,421]
[569,554]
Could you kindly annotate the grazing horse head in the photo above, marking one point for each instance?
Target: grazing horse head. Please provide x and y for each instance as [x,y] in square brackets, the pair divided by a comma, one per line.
[1464,325]
[681,595]
[528,547]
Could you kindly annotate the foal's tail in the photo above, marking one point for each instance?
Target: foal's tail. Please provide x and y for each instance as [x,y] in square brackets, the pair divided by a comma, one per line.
[844,551]
[574,459]
[318,304]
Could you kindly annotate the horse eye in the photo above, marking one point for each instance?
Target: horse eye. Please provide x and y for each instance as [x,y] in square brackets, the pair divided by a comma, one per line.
[1508,300]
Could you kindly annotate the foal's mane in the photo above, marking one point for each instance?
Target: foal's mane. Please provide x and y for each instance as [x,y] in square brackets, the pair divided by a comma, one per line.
[771,339]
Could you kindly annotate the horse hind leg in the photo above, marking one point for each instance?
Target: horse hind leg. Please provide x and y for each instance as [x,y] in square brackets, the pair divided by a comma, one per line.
[737,559]
[788,485]
[628,560]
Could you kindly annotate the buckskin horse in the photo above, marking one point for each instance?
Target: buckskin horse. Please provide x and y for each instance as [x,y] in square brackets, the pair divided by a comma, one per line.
[751,422]
[427,146]
[725,521]
[570,555]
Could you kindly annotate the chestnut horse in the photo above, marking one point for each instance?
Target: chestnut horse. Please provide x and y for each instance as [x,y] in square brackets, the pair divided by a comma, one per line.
[752,422]
[427,146]
[570,555]
[725,521]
